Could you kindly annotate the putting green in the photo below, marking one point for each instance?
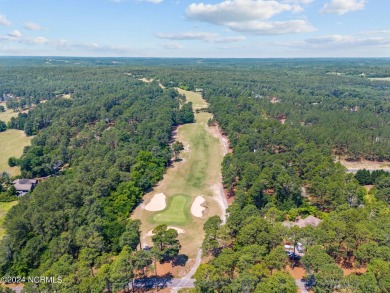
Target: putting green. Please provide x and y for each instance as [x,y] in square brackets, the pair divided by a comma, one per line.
[177,211]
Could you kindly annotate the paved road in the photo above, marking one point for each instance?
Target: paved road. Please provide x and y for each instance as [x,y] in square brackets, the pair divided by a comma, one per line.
[186,281]
[174,283]
[161,283]
[301,286]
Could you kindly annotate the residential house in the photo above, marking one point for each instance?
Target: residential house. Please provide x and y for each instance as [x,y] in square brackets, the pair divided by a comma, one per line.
[23,186]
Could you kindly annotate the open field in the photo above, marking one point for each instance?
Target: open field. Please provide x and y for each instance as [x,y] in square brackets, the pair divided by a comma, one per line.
[4,208]
[12,143]
[196,174]
[364,164]
[8,114]
[196,99]
[380,78]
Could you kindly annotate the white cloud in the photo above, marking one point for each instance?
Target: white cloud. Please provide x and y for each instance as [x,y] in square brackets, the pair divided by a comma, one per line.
[4,20]
[39,40]
[15,34]
[174,46]
[17,37]
[236,10]
[272,28]
[32,26]
[251,16]
[202,36]
[343,6]
[92,47]
[345,42]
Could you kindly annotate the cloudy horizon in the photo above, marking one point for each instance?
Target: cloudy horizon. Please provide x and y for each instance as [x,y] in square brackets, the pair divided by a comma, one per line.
[176,28]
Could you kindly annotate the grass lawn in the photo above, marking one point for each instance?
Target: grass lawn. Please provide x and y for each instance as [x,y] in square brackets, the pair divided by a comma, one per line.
[177,212]
[196,99]
[7,115]
[12,143]
[4,208]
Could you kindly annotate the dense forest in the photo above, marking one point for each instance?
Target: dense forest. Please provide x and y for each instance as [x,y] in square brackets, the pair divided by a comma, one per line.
[104,137]
[107,145]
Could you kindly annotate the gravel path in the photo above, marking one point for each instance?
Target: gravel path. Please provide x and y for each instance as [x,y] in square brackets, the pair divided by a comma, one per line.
[301,286]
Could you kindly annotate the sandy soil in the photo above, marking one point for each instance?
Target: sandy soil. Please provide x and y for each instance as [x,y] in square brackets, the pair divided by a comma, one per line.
[220,197]
[157,203]
[216,131]
[380,78]
[197,208]
[145,79]
[357,271]
[364,164]
[297,273]
[274,100]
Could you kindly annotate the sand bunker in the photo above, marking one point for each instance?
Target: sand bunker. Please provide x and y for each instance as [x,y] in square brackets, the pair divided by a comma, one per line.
[197,208]
[179,230]
[157,203]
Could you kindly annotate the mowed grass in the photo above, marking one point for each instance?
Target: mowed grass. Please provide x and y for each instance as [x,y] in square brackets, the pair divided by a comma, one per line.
[196,174]
[12,143]
[177,212]
[4,208]
[7,115]
[196,99]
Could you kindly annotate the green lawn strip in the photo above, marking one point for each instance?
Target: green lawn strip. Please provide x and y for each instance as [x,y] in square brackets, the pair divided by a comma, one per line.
[177,212]
[12,143]
[200,156]
[4,208]
[7,115]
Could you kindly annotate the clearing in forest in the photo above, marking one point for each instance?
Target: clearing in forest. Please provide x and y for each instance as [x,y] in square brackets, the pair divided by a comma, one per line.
[4,208]
[7,114]
[198,173]
[365,164]
[380,79]
[12,143]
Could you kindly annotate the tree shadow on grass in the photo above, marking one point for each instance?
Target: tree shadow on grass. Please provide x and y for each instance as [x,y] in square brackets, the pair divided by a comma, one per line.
[180,260]
[147,284]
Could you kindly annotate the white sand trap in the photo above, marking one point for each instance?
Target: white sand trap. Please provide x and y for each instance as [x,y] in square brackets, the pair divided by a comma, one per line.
[179,231]
[157,203]
[197,208]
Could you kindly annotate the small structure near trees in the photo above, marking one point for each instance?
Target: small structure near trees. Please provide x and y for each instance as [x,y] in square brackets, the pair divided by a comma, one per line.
[24,186]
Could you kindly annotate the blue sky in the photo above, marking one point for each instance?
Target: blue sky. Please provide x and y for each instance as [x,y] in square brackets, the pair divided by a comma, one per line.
[190,28]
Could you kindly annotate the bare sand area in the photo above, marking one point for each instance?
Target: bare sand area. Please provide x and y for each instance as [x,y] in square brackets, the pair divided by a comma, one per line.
[197,208]
[145,79]
[157,203]
[365,164]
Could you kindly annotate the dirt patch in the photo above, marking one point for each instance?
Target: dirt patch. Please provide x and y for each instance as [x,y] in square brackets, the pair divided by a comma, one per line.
[368,187]
[216,132]
[357,271]
[297,273]
[145,79]
[157,203]
[365,164]
[197,208]
[274,100]
[380,79]
[220,197]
